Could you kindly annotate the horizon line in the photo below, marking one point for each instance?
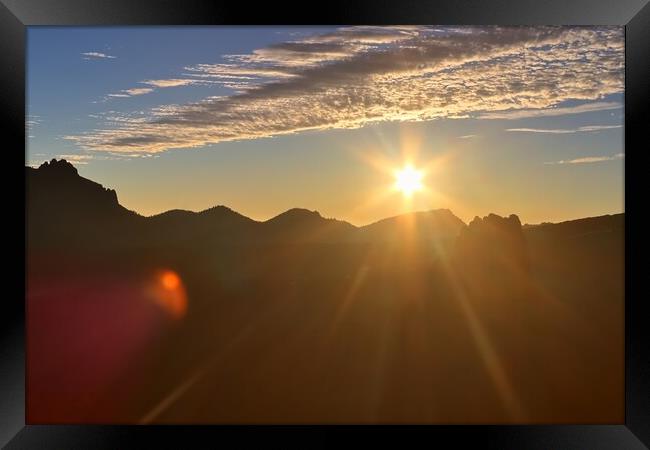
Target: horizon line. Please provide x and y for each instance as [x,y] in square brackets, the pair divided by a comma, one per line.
[313,210]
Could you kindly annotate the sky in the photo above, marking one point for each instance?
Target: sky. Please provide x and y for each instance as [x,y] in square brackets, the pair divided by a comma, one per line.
[523,120]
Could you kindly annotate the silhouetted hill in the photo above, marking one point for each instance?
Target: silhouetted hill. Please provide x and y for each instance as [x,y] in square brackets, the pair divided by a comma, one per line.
[172,215]
[299,225]
[587,251]
[217,213]
[214,225]
[63,208]
[609,223]
[56,186]
[439,224]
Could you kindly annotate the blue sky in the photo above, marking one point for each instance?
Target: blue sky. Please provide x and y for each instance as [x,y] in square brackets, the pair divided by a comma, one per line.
[262,119]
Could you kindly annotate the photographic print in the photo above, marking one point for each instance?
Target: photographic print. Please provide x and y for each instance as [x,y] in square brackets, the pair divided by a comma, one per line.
[325,225]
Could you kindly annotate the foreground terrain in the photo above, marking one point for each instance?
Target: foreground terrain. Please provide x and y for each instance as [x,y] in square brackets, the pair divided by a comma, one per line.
[212,317]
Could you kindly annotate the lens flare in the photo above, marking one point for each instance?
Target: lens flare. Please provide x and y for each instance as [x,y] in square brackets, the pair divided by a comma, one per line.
[170,293]
[170,280]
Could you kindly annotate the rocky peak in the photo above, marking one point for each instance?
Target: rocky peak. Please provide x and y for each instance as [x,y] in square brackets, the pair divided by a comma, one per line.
[58,167]
[494,240]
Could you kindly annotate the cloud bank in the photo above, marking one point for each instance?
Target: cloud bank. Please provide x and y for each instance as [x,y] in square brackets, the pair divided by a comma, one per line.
[360,75]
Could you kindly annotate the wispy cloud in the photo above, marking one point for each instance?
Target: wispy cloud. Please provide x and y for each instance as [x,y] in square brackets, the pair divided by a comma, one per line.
[125,93]
[76,159]
[96,55]
[85,158]
[553,111]
[588,128]
[138,91]
[468,136]
[359,75]
[157,84]
[589,159]
[31,121]
[172,82]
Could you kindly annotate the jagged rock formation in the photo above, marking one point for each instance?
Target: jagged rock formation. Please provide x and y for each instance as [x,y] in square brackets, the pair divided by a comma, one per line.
[66,210]
[57,184]
[492,263]
[494,242]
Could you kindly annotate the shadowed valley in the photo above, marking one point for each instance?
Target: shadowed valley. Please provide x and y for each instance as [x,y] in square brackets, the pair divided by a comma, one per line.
[212,317]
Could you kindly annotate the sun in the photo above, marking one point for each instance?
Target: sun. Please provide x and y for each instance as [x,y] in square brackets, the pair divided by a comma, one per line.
[408,180]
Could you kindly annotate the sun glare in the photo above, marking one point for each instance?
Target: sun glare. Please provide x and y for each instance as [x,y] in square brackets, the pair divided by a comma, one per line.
[408,180]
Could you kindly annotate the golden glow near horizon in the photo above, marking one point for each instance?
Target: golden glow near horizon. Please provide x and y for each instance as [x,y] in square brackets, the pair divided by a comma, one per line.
[408,180]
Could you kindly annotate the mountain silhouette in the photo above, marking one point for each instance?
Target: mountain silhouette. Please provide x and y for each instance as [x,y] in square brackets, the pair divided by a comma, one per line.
[417,318]
[213,225]
[57,185]
[579,228]
[64,205]
[434,224]
[65,209]
[72,213]
[302,225]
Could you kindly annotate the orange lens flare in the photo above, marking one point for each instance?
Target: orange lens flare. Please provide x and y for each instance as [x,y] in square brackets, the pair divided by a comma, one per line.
[170,293]
[170,280]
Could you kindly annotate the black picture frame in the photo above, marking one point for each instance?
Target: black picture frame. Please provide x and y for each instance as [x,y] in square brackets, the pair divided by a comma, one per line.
[16,15]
